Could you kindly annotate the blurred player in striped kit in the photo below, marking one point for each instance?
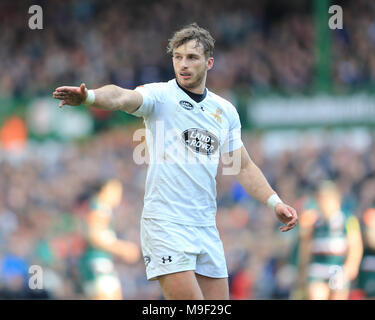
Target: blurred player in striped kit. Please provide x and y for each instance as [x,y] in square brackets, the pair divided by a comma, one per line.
[330,248]
[366,277]
[99,278]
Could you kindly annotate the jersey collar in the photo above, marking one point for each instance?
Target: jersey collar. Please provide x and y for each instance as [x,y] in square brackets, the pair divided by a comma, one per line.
[196,97]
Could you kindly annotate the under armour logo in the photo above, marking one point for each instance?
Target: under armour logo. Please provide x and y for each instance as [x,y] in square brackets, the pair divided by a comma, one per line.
[147,260]
[164,259]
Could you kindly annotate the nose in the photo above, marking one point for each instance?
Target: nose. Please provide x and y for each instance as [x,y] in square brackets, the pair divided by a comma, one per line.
[184,63]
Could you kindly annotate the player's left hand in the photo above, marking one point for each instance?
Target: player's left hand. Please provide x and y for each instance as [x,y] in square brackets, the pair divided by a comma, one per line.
[287,215]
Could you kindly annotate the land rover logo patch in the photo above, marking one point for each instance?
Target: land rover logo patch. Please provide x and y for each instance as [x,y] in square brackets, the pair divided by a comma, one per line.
[186,105]
[200,141]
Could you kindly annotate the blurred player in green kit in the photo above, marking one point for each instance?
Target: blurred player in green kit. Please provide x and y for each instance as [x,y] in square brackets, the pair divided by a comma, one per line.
[99,277]
[366,277]
[330,247]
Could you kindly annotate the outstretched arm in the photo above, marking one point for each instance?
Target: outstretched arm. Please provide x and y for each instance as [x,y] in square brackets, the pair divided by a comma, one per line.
[306,230]
[355,249]
[100,236]
[255,183]
[109,97]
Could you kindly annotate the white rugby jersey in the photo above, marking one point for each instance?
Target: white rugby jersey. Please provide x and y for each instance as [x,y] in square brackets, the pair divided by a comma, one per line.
[185,139]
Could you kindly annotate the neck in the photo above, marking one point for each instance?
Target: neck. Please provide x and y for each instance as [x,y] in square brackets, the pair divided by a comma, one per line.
[330,213]
[102,201]
[197,90]
[197,97]
[194,90]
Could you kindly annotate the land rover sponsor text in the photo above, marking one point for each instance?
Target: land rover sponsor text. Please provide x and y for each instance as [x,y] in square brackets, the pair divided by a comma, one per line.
[200,141]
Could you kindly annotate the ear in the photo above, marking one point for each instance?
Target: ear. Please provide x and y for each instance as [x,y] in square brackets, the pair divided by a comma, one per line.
[210,63]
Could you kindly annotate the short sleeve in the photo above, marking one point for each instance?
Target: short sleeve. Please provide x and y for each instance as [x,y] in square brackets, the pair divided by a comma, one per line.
[151,94]
[233,139]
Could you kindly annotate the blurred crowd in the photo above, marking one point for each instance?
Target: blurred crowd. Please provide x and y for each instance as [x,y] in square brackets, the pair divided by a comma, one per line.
[42,222]
[259,45]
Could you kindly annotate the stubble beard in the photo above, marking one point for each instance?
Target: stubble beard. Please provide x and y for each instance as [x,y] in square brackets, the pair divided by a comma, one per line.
[196,83]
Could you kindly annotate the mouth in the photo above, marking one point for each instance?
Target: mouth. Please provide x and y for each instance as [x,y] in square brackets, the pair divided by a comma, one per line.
[185,75]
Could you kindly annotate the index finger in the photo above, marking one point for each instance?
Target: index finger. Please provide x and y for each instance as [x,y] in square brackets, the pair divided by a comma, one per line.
[294,219]
[66,89]
[287,228]
[293,222]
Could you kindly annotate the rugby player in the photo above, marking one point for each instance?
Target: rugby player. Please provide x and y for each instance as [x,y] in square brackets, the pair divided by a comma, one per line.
[366,276]
[330,246]
[180,242]
[97,271]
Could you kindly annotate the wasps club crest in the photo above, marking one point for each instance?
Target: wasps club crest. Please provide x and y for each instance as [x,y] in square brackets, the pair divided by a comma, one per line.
[200,141]
[217,115]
